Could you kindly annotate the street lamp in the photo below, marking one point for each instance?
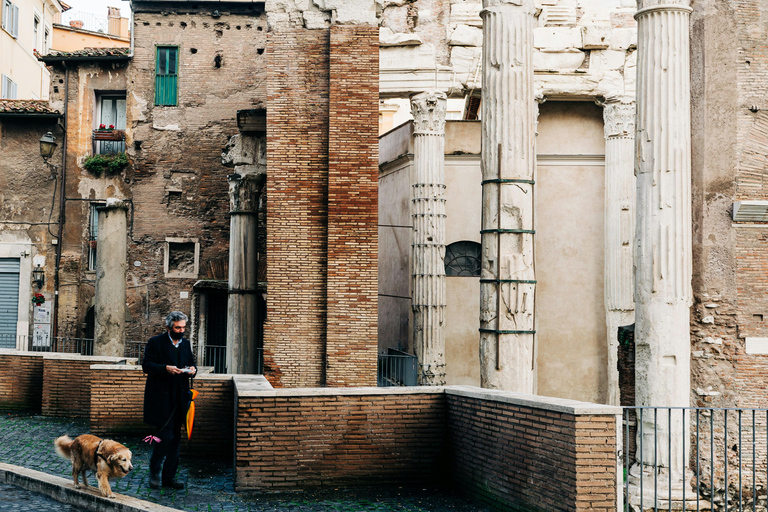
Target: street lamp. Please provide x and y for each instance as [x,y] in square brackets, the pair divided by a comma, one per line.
[38,277]
[47,146]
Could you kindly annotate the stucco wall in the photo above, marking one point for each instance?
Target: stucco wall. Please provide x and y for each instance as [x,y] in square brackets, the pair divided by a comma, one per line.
[570,312]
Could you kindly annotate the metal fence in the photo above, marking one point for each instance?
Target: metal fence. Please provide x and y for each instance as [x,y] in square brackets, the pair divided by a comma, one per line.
[396,368]
[214,356]
[688,458]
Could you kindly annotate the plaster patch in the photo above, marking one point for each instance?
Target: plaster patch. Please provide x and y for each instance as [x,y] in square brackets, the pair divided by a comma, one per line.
[757,346]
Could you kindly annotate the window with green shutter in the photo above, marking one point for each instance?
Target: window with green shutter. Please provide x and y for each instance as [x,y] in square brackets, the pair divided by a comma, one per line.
[167,75]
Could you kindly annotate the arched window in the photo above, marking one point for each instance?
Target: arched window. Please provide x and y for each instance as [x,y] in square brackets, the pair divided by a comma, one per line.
[462,259]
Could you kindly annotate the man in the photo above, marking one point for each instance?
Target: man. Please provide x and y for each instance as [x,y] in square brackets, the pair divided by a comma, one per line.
[169,364]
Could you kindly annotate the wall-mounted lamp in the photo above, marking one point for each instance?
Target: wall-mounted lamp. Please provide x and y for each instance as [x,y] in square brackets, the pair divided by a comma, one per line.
[47,146]
[38,277]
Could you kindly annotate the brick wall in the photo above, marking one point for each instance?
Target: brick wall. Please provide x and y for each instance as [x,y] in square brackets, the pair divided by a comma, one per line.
[353,207]
[297,182]
[322,242]
[511,451]
[67,384]
[298,440]
[21,380]
[117,397]
[531,458]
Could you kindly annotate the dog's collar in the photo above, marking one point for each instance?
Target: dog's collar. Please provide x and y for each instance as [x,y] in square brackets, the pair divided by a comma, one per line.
[96,455]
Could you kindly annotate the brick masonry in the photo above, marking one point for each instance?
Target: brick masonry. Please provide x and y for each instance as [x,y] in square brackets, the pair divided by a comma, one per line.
[511,457]
[297,181]
[67,384]
[322,244]
[353,207]
[21,381]
[117,396]
[524,458]
[291,442]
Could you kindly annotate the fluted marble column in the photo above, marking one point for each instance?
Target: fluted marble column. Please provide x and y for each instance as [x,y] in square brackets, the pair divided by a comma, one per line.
[507,282]
[428,290]
[619,118]
[663,257]
[242,305]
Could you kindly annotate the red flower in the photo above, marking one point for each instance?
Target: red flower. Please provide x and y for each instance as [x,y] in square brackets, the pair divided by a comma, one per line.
[111,127]
[102,127]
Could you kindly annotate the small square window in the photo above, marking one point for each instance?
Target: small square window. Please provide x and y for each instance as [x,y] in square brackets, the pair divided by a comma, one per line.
[182,258]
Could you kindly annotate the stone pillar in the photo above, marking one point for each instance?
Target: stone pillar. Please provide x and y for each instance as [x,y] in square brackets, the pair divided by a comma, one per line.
[111,266]
[428,284]
[509,112]
[242,305]
[663,256]
[620,187]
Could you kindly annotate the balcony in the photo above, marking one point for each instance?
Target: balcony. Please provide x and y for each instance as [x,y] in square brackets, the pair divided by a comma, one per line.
[108,142]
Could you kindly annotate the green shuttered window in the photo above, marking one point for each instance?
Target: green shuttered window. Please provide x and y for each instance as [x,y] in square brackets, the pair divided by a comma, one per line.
[167,75]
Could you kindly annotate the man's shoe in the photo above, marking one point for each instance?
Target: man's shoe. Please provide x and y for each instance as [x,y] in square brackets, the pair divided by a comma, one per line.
[173,484]
[154,481]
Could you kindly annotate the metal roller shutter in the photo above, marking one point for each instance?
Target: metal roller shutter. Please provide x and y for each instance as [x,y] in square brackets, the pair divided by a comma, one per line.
[9,301]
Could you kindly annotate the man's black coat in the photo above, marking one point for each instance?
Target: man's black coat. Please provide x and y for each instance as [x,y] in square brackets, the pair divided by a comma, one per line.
[164,391]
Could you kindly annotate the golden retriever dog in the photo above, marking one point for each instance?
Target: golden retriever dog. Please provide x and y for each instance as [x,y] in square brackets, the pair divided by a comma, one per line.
[107,458]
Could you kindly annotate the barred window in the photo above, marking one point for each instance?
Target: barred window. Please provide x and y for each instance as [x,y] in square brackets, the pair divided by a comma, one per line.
[462,259]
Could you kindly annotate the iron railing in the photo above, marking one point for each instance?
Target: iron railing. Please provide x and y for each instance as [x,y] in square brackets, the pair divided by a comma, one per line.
[396,368]
[722,462]
[216,357]
[62,344]
[135,349]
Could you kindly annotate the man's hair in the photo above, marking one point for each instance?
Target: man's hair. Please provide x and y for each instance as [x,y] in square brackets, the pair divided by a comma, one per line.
[174,316]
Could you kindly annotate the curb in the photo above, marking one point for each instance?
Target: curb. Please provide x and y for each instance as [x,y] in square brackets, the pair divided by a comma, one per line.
[63,490]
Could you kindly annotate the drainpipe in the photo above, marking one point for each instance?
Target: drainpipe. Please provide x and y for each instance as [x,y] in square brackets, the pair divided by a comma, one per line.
[62,204]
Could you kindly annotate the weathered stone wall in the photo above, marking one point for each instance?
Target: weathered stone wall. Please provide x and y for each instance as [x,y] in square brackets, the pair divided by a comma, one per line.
[27,226]
[86,81]
[180,184]
[728,150]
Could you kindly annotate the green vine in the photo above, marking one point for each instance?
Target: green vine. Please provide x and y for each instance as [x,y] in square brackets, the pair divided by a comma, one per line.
[98,164]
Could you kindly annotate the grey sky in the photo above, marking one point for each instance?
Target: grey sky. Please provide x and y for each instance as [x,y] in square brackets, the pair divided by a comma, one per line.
[99,7]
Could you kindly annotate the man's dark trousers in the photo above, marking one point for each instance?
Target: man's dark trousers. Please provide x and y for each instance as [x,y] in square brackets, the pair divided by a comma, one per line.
[168,449]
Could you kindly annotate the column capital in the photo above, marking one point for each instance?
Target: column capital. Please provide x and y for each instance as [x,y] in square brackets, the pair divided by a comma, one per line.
[619,118]
[244,192]
[428,109]
[647,6]
[524,4]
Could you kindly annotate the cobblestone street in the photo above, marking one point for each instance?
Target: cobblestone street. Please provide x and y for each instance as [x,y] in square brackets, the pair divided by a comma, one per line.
[27,440]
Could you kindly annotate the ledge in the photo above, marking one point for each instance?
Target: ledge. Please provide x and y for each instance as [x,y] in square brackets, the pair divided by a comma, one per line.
[63,490]
[535,401]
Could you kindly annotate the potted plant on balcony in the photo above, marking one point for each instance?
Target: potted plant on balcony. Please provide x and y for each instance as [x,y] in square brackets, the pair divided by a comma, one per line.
[110,164]
[108,133]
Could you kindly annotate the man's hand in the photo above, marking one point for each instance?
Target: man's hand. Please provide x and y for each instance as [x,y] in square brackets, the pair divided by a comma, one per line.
[192,370]
[173,370]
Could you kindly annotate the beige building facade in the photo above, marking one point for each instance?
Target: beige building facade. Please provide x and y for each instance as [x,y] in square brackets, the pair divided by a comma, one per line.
[27,27]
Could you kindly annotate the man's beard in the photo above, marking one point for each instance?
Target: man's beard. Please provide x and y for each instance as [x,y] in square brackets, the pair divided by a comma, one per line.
[176,335]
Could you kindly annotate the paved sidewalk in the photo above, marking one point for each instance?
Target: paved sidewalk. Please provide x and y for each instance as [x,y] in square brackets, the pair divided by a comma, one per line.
[16,499]
[27,440]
